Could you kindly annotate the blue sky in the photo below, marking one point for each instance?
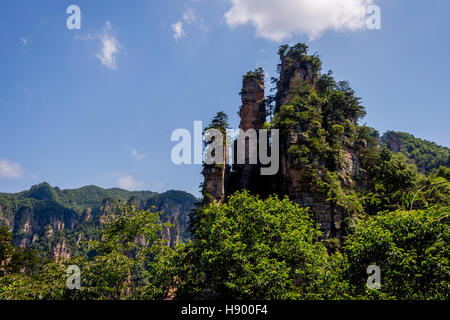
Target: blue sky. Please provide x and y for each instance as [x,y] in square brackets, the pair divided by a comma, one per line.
[98,105]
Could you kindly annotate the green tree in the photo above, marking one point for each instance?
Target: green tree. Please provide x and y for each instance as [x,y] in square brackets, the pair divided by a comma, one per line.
[6,249]
[250,248]
[130,262]
[410,247]
[123,261]
[15,259]
[219,122]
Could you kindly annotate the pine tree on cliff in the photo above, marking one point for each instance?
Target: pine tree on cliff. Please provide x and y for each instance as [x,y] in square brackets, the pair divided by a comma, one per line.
[215,176]
[219,122]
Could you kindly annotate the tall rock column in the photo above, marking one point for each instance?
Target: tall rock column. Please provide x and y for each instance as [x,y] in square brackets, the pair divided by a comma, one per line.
[253,110]
[298,73]
[297,70]
[216,170]
[253,116]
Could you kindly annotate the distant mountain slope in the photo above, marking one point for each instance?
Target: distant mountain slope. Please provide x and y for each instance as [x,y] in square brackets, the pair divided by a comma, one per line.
[425,154]
[55,222]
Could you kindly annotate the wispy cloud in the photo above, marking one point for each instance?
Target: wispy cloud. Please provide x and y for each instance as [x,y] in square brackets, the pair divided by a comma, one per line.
[137,155]
[189,18]
[127,182]
[110,45]
[10,169]
[178,31]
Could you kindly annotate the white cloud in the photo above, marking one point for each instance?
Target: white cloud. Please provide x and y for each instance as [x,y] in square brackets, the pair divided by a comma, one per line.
[110,47]
[281,19]
[137,155]
[178,31]
[10,170]
[127,182]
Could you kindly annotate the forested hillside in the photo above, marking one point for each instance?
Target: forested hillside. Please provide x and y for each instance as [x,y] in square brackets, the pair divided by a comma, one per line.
[426,155]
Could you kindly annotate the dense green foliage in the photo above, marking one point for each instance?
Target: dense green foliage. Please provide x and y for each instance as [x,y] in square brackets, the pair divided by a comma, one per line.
[323,117]
[251,249]
[255,249]
[15,259]
[410,247]
[397,184]
[122,262]
[255,74]
[123,265]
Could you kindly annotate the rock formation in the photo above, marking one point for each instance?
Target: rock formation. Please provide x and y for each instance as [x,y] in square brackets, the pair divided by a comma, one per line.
[253,116]
[60,252]
[295,71]
[393,142]
[299,73]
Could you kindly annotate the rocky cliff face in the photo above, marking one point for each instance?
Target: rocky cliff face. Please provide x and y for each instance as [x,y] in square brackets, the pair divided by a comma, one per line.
[393,141]
[30,223]
[87,216]
[107,209]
